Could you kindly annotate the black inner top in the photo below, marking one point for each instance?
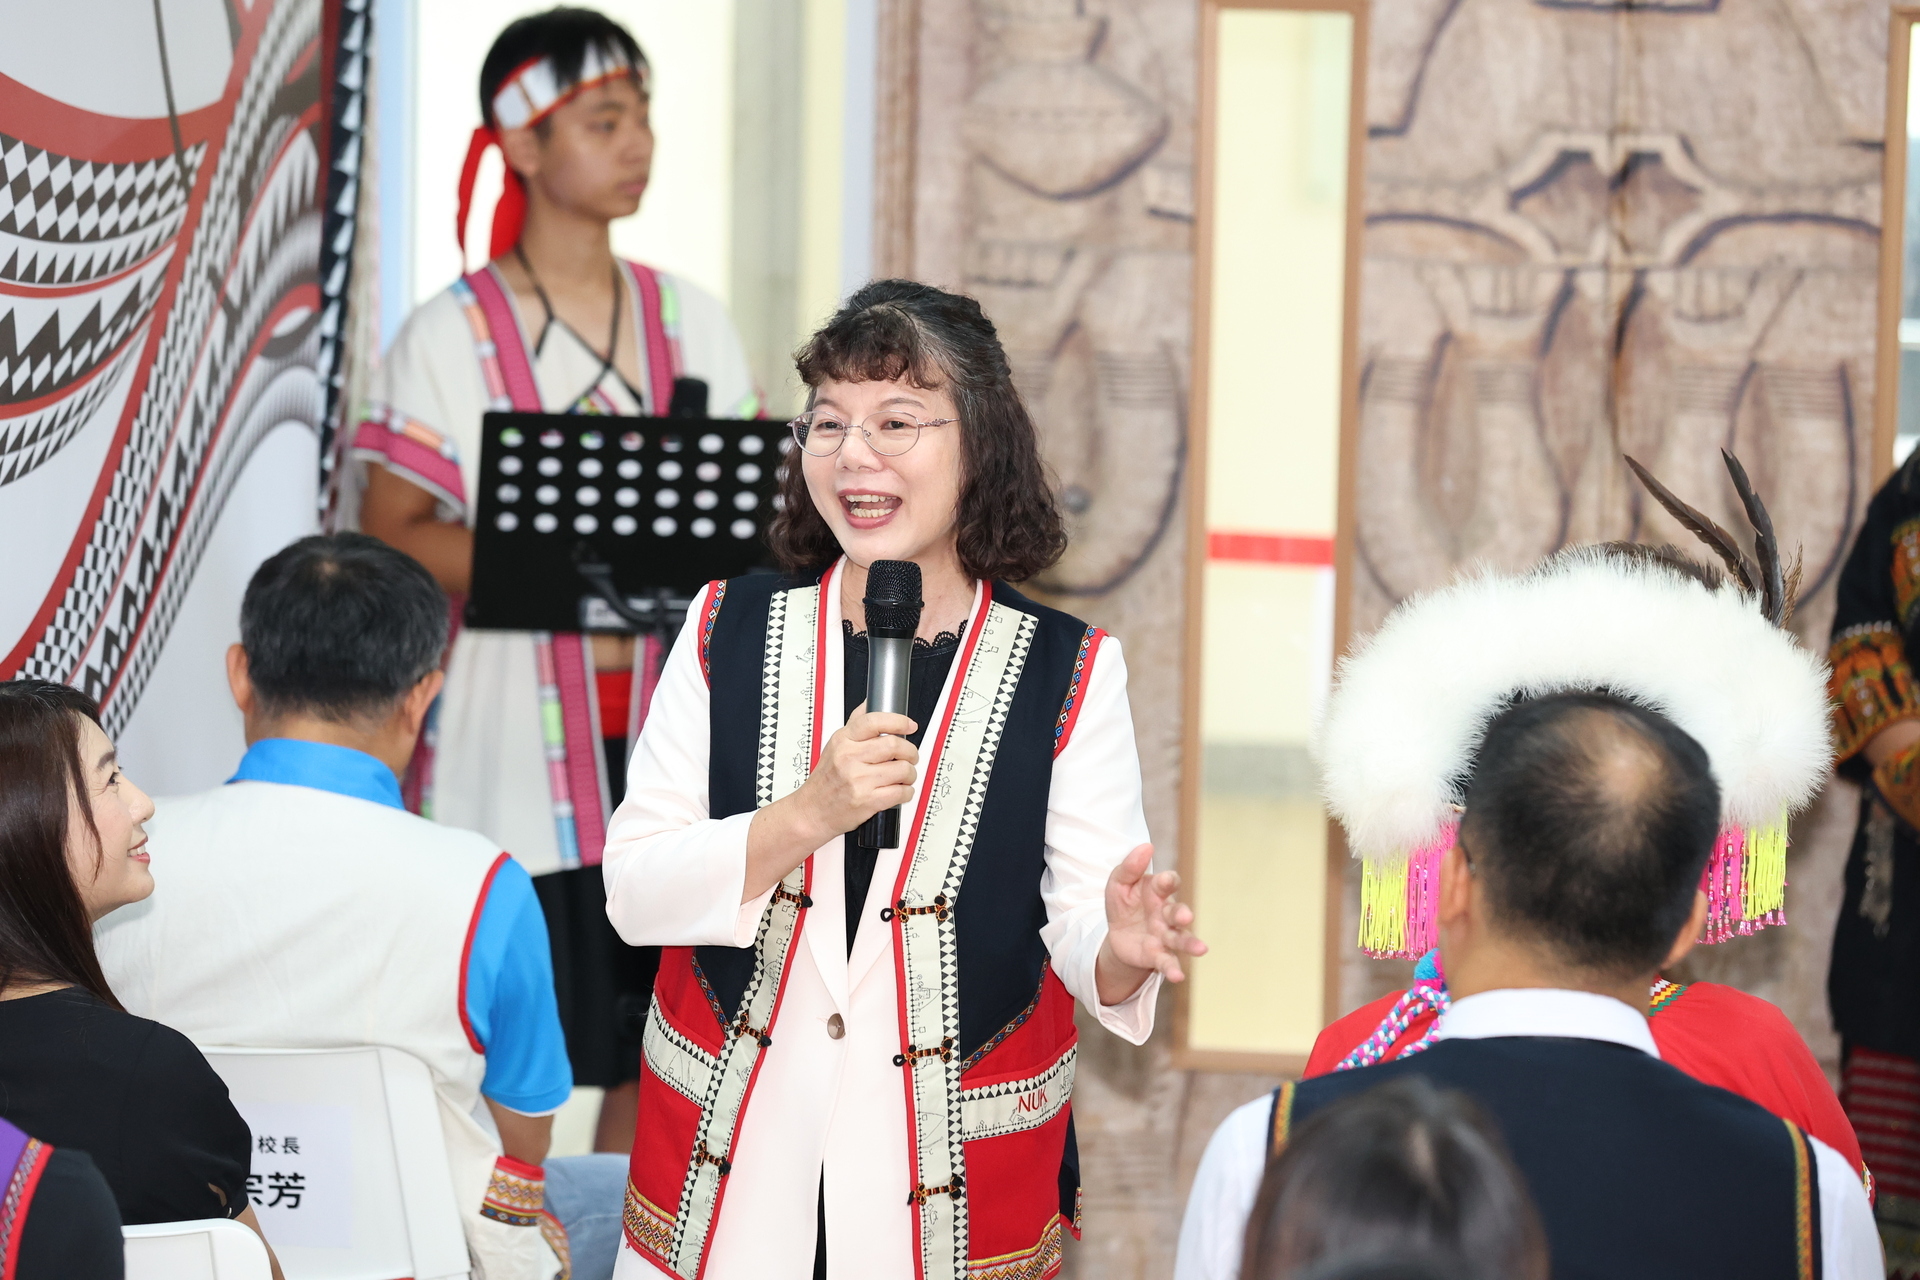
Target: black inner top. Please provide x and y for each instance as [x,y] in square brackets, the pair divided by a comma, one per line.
[926,674]
[134,1095]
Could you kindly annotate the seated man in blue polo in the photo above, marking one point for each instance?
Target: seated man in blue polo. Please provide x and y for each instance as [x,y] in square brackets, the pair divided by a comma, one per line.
[301,905]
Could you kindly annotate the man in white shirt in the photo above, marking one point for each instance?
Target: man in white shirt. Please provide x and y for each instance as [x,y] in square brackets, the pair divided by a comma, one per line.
[1589,820]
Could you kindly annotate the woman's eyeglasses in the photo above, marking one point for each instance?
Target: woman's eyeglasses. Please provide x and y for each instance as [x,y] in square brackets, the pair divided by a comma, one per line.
[821,432]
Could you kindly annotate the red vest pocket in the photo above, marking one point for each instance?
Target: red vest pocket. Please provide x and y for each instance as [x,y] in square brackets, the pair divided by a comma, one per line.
[1014,1112]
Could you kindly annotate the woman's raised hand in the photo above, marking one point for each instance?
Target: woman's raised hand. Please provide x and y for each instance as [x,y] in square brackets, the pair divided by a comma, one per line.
[866,766]
[1147,928]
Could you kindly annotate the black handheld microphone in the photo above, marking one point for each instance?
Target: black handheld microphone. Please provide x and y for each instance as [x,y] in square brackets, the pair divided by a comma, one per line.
[893,615]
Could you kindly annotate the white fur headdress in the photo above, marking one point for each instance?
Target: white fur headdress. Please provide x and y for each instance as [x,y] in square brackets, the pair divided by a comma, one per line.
[1408,712]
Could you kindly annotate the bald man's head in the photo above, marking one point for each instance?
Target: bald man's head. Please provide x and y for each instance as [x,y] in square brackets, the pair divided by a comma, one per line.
[1589,820]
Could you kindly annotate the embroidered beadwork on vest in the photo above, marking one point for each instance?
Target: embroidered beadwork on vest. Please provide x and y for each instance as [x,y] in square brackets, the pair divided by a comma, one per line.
[706,629]
[1029,1264]
[1282,1121]
[941,841]
[648,1223]
[1070,708]
[789,741]
[1802,1199]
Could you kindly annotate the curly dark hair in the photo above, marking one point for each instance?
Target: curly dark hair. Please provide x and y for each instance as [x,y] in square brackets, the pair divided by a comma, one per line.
[1009,526]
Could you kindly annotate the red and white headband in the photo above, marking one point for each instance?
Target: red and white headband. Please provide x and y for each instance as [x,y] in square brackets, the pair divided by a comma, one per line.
[533,90]
[529,95]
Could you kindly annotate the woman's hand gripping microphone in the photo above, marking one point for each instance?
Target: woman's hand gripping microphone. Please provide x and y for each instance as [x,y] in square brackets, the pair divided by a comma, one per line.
[866,766]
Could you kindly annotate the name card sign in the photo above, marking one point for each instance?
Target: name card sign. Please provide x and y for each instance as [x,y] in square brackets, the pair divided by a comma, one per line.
[302,1180]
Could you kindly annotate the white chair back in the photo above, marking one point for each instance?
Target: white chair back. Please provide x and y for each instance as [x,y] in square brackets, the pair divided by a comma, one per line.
[208,1249]
[350,1175]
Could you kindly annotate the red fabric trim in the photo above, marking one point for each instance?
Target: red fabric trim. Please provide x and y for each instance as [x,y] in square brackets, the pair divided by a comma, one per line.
[483,137]
[520,1168]
[820,663]
[1077,692]
[509,344]
[409,454]
[662,361]
[615,689]
[584,755]
[39,1153]
[716,594]
[42,1153]
[932,755]
[466,950]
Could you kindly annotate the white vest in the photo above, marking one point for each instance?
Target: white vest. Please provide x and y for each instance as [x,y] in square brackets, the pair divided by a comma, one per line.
[290,917]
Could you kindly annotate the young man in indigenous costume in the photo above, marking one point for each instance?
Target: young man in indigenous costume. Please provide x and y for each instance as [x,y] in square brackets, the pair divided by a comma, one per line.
[528,743]
[1873,985]
[1641,625]
[1713,1032]
[859,1062]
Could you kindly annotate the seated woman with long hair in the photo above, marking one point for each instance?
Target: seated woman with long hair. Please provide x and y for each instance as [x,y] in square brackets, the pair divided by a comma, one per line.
[76,1070]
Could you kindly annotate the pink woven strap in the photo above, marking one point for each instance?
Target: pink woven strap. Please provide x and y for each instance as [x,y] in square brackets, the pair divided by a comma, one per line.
[663,352]
[578,780]
[580,728]
[509,346]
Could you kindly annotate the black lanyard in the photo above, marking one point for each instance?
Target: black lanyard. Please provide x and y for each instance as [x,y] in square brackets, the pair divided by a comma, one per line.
[613,333]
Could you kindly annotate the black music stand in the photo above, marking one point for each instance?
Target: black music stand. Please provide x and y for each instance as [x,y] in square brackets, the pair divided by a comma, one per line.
[613,524]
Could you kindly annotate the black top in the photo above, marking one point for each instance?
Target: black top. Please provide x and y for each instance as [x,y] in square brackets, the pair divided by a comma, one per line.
[134,1095]
[1637,1168]
[73,1227]
[926,674]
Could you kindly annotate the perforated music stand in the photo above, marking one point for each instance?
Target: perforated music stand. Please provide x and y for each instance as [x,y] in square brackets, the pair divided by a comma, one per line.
[614,524]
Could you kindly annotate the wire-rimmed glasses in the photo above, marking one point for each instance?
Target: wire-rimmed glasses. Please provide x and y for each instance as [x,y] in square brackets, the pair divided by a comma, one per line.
[821,432]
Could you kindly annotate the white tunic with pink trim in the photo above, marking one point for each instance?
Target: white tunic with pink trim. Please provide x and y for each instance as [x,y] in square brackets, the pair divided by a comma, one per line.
[513,746]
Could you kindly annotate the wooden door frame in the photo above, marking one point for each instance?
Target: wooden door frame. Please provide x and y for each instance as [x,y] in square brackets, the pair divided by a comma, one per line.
[1893,248]
[1190,776]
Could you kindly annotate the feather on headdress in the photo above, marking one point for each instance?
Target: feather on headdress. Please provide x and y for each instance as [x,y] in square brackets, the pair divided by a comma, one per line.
[1408,711]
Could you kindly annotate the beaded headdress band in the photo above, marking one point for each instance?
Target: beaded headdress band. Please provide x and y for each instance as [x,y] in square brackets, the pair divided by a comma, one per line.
[1408,711]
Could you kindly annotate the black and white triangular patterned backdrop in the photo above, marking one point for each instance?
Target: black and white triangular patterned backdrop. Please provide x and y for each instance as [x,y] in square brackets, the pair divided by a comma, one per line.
[175,236]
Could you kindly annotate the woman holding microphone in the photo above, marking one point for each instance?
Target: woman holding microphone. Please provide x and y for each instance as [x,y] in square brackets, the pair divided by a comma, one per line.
[859,1062]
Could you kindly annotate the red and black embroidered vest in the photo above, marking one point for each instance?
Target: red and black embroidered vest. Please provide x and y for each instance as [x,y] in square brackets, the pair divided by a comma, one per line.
[987,1038]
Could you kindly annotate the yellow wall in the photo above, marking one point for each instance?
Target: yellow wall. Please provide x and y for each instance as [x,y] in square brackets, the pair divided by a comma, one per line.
[1273,439]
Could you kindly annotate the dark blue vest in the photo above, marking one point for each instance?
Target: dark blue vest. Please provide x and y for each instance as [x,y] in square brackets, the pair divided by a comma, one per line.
[1640,1172]
[999,913]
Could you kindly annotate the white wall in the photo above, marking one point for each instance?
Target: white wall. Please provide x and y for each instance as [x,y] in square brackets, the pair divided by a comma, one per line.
[684,222]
